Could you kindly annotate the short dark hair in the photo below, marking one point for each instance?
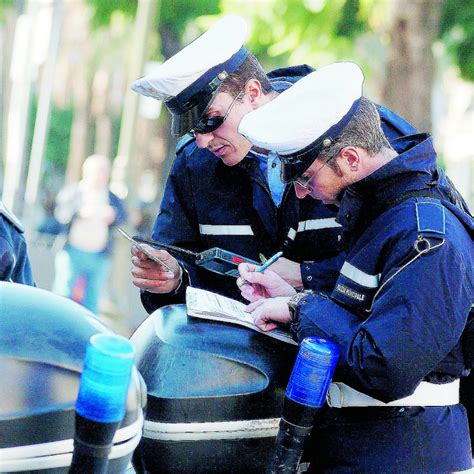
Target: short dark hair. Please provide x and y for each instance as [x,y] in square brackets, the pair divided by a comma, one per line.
[249,69]
[363,130]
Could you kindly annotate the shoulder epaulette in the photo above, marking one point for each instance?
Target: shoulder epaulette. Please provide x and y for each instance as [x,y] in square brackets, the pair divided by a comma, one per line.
[11,217]
[184,142]
[430,216]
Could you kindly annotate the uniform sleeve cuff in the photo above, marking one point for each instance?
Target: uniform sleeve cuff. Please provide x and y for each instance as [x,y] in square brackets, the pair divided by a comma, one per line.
[153,301]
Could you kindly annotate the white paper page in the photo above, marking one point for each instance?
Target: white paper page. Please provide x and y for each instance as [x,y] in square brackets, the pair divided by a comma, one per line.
[211,303]
[207,305]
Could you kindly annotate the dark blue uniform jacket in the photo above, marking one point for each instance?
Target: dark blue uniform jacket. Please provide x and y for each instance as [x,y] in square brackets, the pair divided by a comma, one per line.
[397,316]
[14,262]
[208,204]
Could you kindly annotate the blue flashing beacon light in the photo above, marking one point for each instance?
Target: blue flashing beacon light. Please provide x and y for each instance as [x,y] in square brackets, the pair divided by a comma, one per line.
[312,372]
[305,395]
[101,402]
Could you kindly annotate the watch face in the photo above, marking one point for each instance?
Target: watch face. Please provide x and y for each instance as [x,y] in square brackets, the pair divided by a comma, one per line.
[293,304]
[295,300]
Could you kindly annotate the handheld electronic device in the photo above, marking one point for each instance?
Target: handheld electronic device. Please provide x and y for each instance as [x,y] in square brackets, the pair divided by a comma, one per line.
[215,259]
[144,249]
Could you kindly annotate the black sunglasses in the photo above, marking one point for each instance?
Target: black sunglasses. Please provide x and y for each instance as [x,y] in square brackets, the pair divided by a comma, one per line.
[209,124]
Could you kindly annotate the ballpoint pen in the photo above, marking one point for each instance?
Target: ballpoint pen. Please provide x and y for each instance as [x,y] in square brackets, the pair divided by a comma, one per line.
[269,262]
[241,281]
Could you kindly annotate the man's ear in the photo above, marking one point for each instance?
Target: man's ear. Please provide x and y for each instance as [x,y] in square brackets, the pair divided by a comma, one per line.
[253,89]
[351,157]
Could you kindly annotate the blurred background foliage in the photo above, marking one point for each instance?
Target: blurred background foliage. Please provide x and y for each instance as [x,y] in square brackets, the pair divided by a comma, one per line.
[57,151]
[87,107]
[457,32]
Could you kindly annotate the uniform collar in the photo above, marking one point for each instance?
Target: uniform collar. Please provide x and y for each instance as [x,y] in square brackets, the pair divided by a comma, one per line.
[414,168]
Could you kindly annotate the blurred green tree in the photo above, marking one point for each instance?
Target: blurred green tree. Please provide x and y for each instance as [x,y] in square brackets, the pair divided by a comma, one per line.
[57,151]
[457,32]
[313,31]
[287,30]
[4,6]
[173,19]
[103,11]
[176,25]
[391,40]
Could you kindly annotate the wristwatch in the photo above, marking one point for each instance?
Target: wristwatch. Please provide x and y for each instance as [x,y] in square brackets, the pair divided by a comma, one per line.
[294,301]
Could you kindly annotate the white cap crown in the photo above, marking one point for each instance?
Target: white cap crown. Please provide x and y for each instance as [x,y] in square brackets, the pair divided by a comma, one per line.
[212,48]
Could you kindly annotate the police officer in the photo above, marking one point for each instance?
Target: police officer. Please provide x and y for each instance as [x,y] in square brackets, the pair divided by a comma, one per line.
[14,262]
[222,193]
[403,295]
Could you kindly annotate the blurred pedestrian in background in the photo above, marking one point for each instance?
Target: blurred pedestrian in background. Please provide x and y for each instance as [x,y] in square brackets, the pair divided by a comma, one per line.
[89,210]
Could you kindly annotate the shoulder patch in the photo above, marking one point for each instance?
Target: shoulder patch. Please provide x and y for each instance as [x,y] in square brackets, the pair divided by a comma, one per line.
[430,216]
[11,217]
[184,142]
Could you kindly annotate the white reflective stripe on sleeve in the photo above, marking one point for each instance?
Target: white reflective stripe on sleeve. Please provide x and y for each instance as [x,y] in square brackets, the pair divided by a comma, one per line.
[360,277]
[208,229]
[213,430]
[292,234]
[317,224]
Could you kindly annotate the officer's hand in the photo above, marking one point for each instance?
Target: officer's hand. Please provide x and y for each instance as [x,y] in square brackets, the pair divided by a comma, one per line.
[268,312]
[290,271]
[267,284]
[151,276]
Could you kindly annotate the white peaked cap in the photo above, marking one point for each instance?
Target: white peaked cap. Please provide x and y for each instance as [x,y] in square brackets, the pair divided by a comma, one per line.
[212,48]
[306,111]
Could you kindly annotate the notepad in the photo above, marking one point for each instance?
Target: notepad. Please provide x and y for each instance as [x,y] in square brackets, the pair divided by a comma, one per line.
[207,305]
